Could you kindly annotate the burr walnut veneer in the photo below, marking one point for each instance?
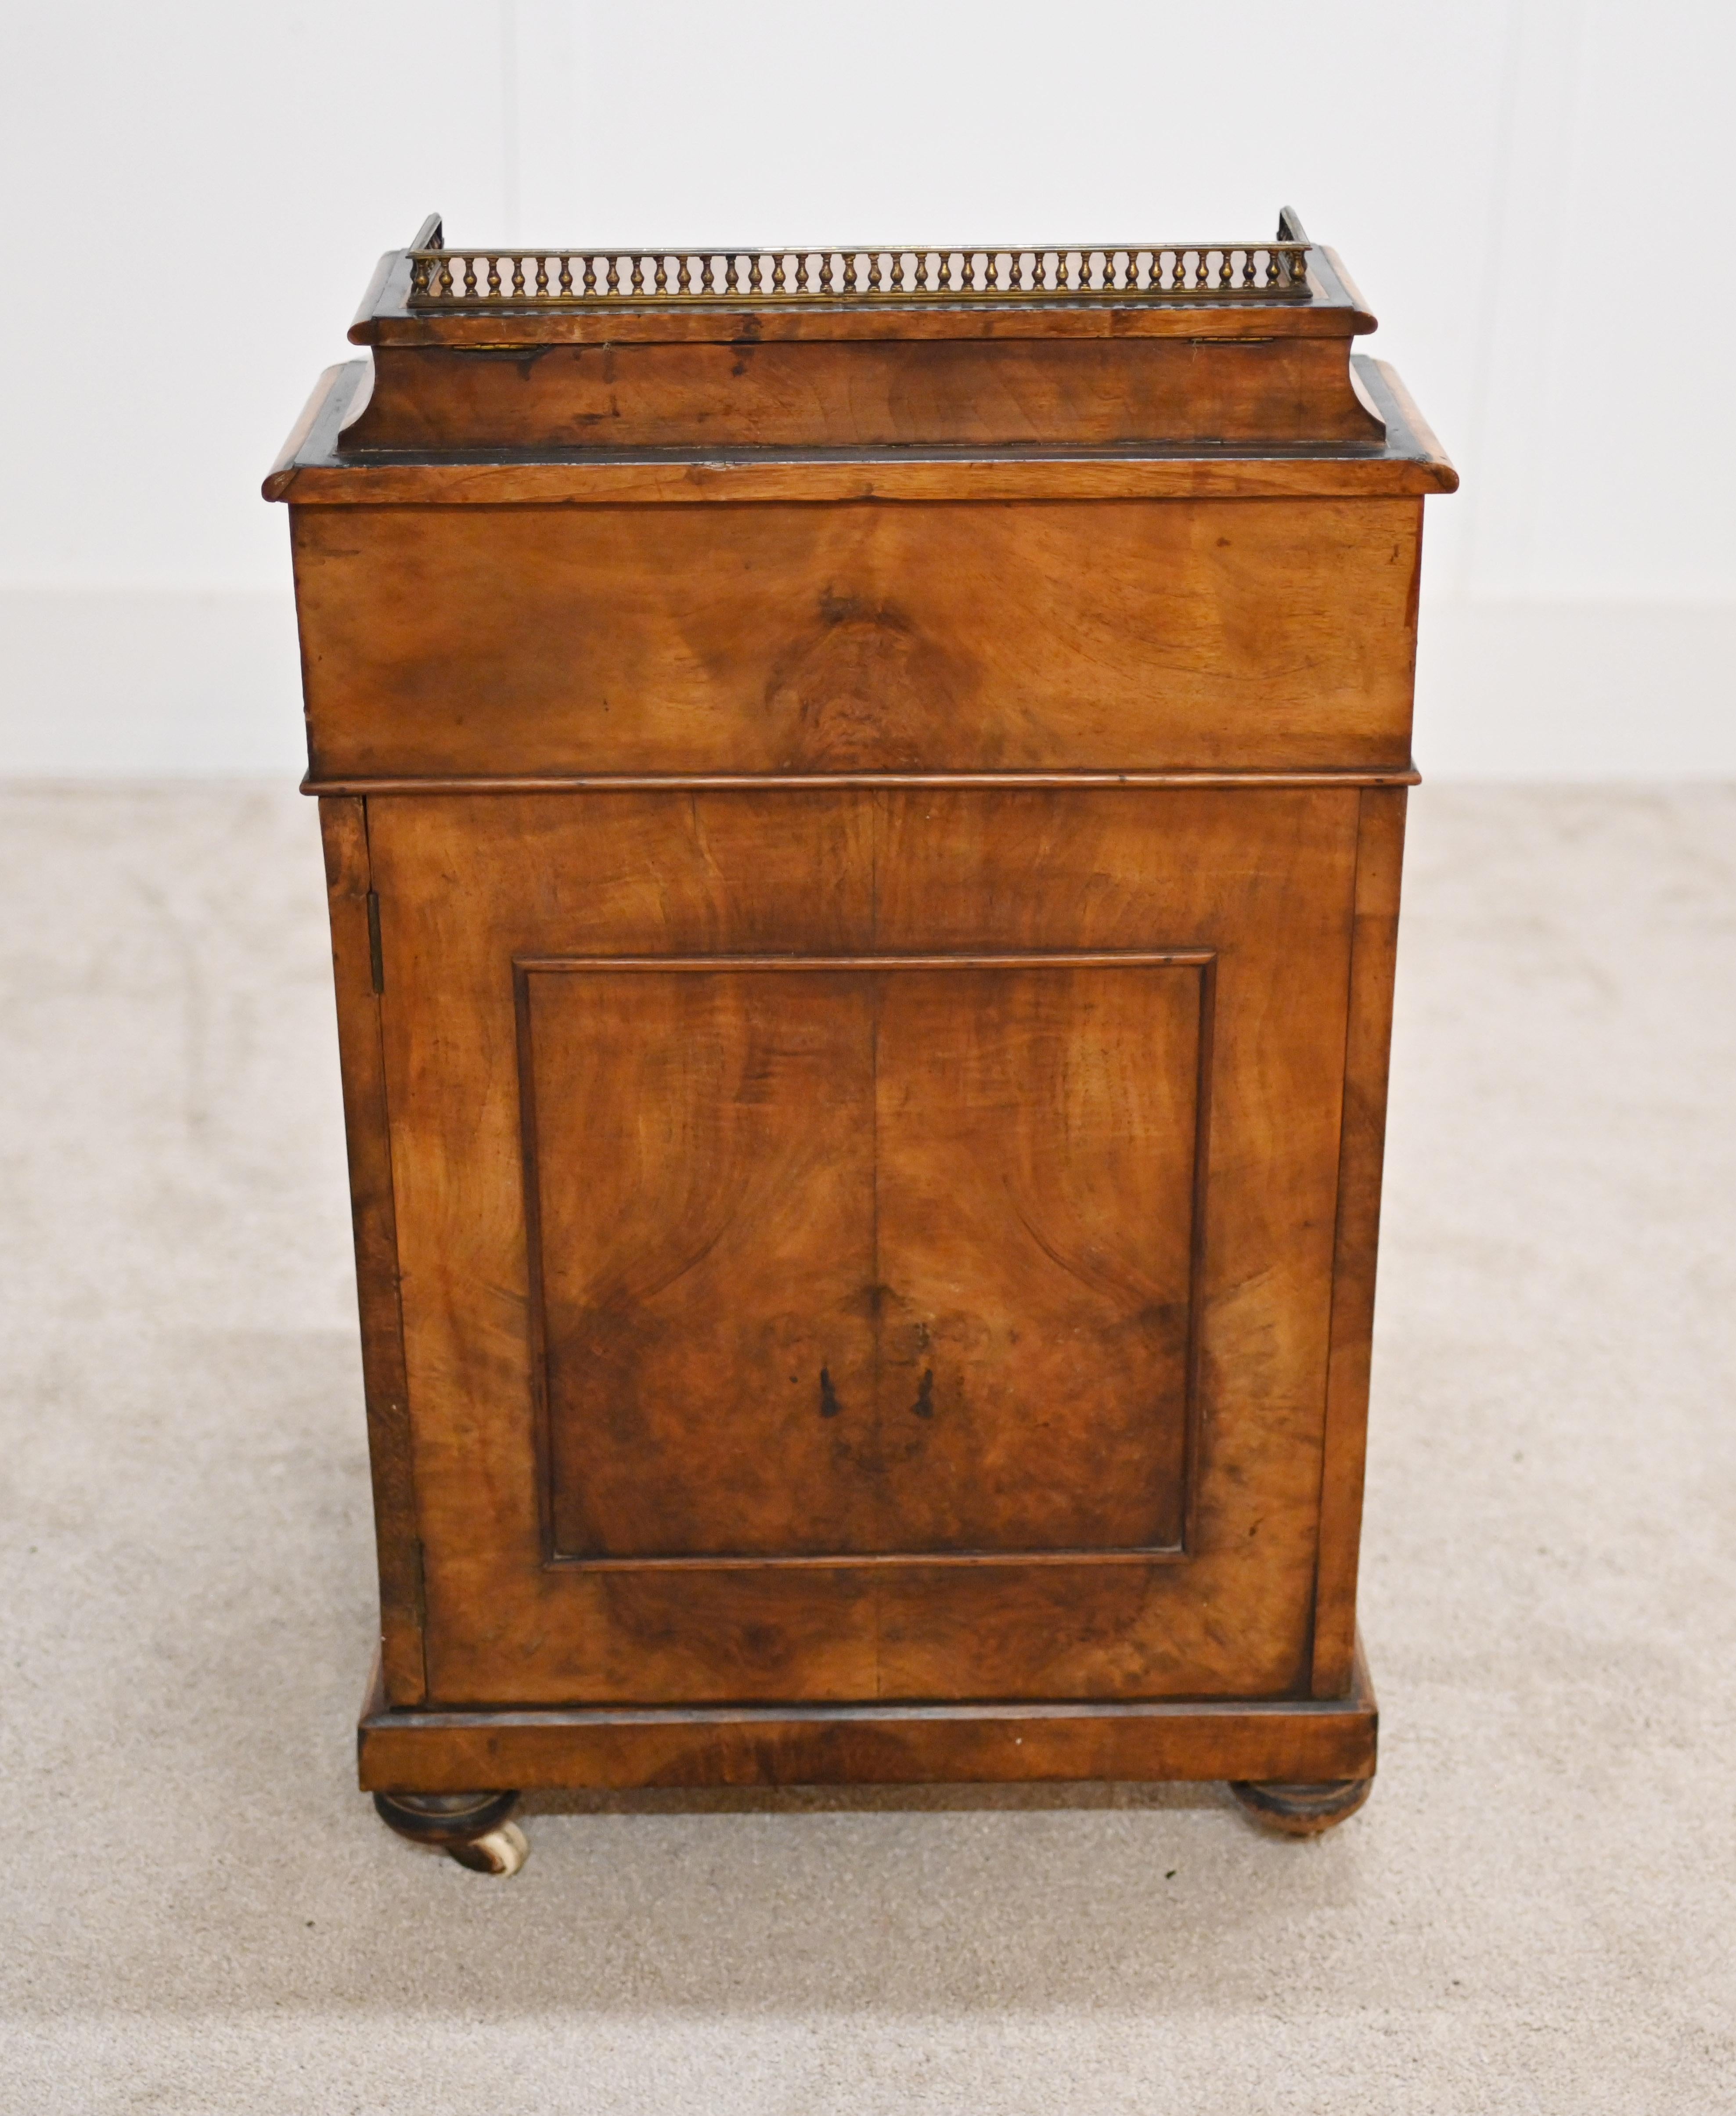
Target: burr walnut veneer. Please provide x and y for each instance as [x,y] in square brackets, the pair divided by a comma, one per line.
[863,797]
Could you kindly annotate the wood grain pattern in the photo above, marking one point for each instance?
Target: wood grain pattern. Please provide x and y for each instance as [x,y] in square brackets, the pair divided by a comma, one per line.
[1380,859]
[747,782]
[435,1751]
[1042,1135]
[1263,880]
[903,1262]
[703,1169]
[945,637]
[878,393]
[316,466]
[398,1542]
[823,480]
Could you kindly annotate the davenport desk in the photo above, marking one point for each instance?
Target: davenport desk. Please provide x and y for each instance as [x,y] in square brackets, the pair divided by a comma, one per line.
[862,793]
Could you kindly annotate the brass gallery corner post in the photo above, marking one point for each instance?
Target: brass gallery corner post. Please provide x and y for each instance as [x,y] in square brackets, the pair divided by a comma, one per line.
[863,795]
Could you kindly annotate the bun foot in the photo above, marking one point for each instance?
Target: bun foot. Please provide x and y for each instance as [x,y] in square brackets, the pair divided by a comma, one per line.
[470,1827]
[1301,1810]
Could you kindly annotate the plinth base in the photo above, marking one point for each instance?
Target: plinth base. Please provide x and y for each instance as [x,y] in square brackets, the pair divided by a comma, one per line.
[1285,1742]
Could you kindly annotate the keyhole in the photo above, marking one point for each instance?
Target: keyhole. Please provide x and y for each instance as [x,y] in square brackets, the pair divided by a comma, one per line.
[830,1406]
[924,1406]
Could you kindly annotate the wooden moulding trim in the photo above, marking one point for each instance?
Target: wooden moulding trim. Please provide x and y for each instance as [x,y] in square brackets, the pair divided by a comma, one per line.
[1051,958]
[748,481]
[898,962]
[311,471]
[675,782]
[1368,1039]
[624,1747]
[362,1060]
[314,435]
[1397,407]
[335,385]
[721,325]
[860,1561]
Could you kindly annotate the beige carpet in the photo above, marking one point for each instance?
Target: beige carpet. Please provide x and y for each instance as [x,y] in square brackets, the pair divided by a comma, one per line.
[1536,1912]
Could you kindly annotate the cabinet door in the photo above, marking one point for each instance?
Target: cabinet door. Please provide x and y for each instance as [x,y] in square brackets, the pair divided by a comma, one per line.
[861,1244]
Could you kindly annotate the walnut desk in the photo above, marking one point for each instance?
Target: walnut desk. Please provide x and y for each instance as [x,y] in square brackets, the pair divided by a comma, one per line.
[863,795]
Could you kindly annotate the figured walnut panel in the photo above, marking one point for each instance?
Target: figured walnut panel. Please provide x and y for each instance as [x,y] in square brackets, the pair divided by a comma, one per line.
[700,1153]
[1105,635]
[1041,1131]
[1263,881]
[1052,393]
[889,1257]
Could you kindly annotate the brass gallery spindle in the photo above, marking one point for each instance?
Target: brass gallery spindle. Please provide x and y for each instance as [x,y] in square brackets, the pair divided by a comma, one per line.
[1131,274]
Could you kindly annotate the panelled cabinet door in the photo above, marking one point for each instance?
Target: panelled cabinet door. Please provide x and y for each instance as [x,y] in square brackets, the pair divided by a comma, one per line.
[830,1219]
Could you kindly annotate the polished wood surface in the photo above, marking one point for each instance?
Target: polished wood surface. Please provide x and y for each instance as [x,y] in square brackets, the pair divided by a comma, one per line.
[1301,1808]
[436,1751]
[317,467]
[355,960]
[864,855]
[978,1174]
[1261,883]
[1379,857]
[874,393]
[954,637]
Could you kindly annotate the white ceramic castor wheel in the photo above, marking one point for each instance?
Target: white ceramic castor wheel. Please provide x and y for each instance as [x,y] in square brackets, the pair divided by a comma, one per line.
[502,1851]
[470,1827]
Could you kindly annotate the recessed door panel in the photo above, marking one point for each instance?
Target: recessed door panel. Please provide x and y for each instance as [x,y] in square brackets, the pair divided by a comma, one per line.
[699,1166]
[891,1257]
[1039,1137]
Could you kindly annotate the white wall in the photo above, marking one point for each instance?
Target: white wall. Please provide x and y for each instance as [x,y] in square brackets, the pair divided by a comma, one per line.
[1533,192]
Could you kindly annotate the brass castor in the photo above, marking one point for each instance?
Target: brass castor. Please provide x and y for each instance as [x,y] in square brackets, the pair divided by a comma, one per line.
[470,1827]
[1301,1810]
